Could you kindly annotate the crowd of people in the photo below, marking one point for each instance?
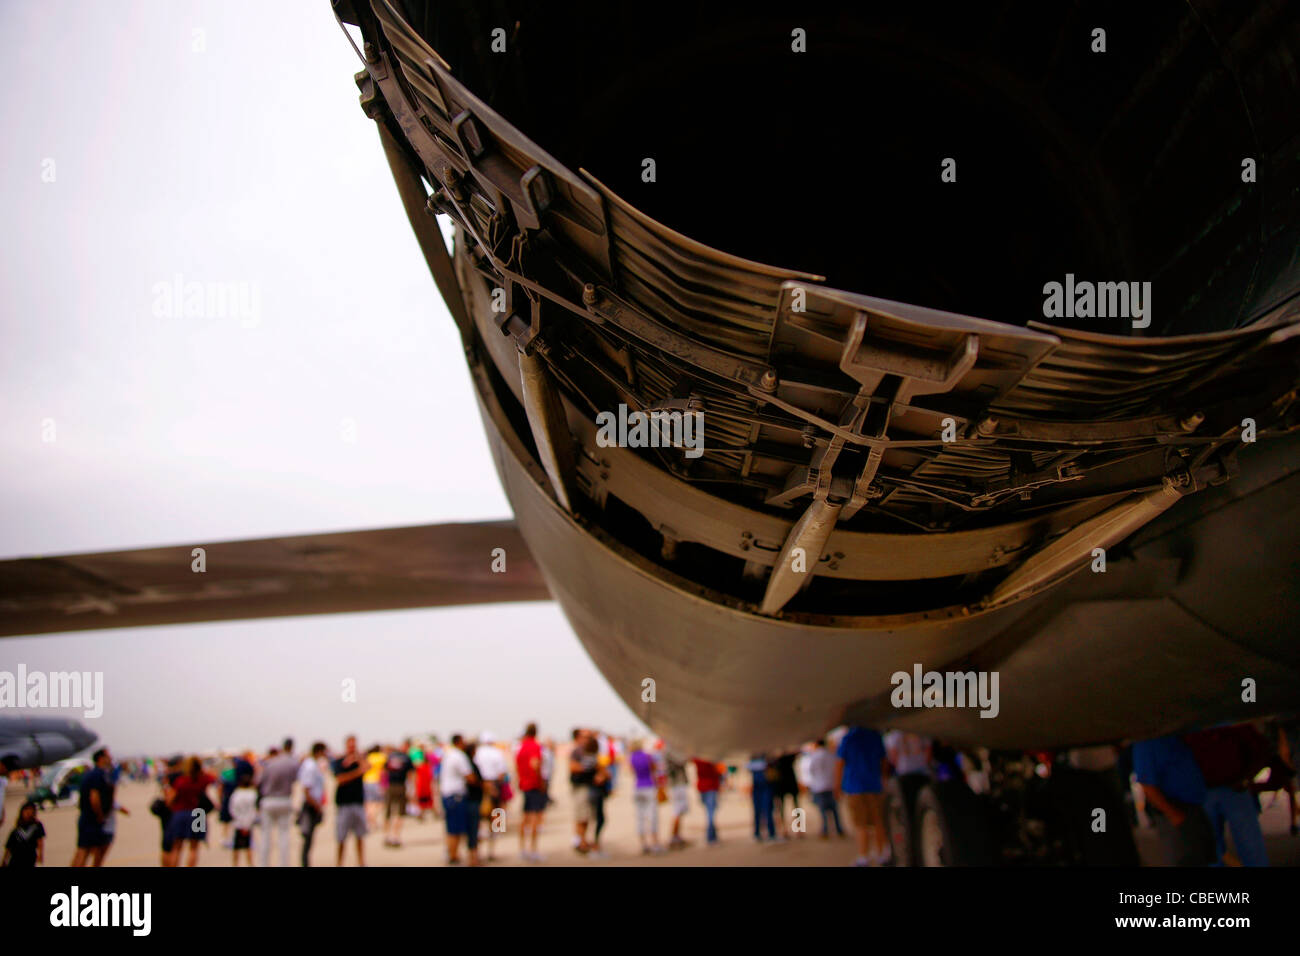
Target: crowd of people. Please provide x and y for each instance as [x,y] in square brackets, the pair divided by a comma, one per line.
[1194,786]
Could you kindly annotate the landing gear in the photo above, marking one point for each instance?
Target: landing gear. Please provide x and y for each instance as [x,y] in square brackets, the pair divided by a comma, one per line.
[1040,812]
[952,826]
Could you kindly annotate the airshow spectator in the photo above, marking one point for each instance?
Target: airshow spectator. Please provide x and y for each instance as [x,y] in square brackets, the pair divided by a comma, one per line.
[312,779]
[1229,758]
[373,783]
[707,782]
[582,771]
[820,769]
[397,769]
[679,793]
[424,781]
[763,775]
[528,766]
[602,782]
[1175,791]
[645,797]
[785,784]
[97,792]
[350,800]
[279,773]
[6,768]
[190,804]
[474,794]
[455,775]
[25,847]
[243,813]
[494,769]
[860,777]
[908,753]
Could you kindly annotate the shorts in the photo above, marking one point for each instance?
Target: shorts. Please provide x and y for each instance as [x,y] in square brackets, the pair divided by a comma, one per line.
[350,818]
[91,834]
[681,799]
[534,801]
[243,839]
[858,804]
[459,814]
[582,804]
[373,792]
[395,801]
[182,827]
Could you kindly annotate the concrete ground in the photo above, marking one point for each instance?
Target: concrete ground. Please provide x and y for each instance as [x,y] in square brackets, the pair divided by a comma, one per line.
[137,843]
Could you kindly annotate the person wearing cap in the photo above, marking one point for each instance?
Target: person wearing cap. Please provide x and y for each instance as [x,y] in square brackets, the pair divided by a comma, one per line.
[495,769]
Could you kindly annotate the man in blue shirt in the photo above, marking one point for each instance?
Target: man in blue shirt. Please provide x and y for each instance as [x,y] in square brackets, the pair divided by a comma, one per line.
[1175,790]
[95,808]
[860,777]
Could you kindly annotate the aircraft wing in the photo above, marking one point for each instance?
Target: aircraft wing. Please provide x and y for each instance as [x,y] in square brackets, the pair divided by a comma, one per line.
[383,569]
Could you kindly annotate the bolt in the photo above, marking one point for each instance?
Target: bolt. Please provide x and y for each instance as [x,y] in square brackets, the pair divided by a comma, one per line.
[768,381]
[988,425]
[589,294]
[1191,422]
[371,53]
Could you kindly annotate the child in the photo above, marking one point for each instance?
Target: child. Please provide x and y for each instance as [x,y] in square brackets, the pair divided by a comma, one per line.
[26,846]
[243,812]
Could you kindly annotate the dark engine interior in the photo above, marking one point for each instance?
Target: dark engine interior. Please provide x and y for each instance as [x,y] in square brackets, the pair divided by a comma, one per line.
[1115,166]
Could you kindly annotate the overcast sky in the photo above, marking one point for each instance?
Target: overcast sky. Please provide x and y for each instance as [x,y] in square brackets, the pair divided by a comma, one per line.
[153,143]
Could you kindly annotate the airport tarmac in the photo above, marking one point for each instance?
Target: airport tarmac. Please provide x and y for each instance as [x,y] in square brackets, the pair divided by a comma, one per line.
[137,843]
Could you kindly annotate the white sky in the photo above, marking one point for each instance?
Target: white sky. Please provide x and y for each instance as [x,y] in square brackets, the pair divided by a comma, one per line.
[239,155]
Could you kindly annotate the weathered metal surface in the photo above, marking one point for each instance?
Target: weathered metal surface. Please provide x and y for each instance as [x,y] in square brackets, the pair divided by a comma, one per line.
[427,566]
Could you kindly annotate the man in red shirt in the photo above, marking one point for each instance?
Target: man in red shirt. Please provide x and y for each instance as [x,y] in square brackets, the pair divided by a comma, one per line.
[528,762]
[707,781]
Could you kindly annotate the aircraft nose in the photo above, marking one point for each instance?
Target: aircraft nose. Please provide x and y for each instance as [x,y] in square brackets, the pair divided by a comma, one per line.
[83,738]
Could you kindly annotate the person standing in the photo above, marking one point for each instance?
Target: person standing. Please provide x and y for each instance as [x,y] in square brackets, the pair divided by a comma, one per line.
[424,784]
[350,800]
[679,793]
[95,805]
[645,797]
[707,782]
[860,774]
[582,771]
[373,783]
[602,782]
[1175,791]
[25,847]
[494,770]
[528,767]
[1229,758]
[190,804]
[821,782]
[456,774]
[548,766]
[279,773]
[786,784]
[243,814]
[762,776]
[398,769]
[313,798]
[6,768]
